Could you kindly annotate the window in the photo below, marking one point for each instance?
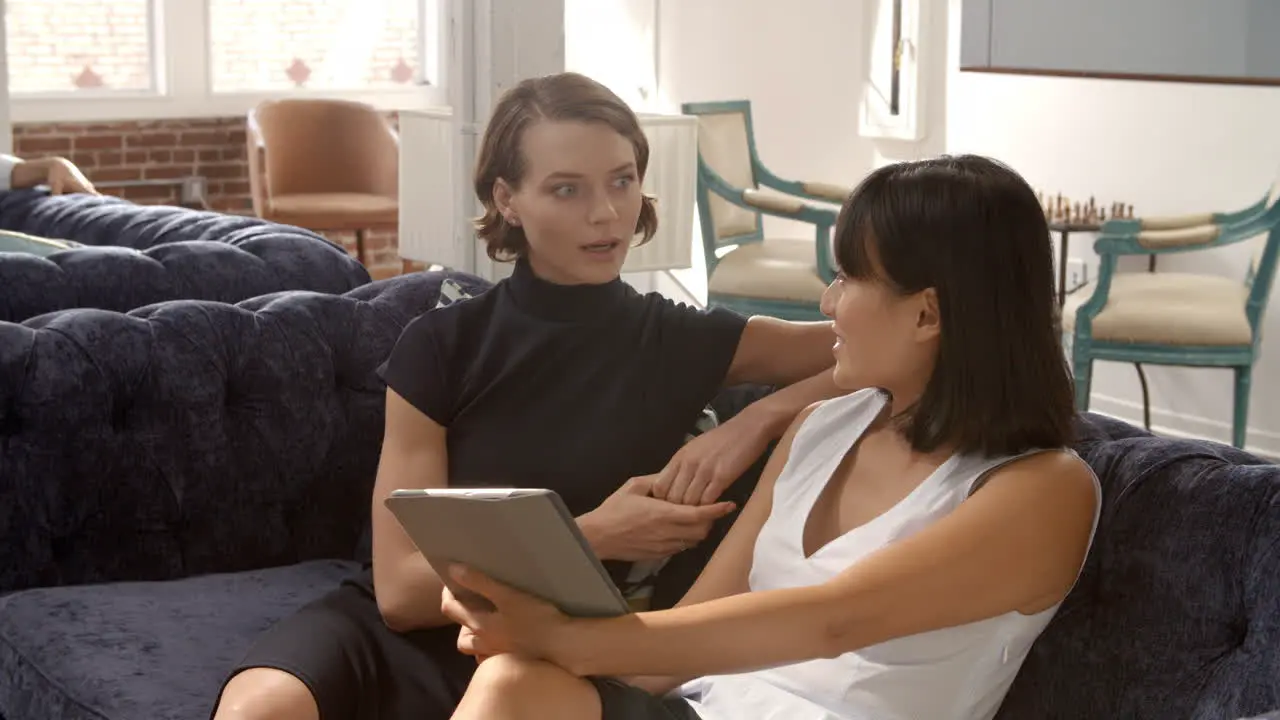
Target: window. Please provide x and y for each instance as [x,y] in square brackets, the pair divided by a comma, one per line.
[316,44]
[86,60]
[70,46]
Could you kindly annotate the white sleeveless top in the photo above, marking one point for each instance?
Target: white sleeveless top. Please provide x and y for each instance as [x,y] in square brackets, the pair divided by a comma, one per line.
[956,673]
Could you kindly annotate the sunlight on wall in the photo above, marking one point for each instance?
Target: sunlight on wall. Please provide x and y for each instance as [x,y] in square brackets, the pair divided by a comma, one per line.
[612,41]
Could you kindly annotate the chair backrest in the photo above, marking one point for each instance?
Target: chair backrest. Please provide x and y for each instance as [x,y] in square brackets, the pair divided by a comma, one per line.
[324,146]
[726,147]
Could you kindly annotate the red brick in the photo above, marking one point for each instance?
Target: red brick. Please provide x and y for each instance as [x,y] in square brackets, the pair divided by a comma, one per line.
[135,157]
[84,161]
[160,156]
[151,140]
[223,170]
[382,272]
[210,155]
[185,156]
[35,145]
[163,172]
[204,137]
[99,142]
[110,159]
[159,193]
[114,174]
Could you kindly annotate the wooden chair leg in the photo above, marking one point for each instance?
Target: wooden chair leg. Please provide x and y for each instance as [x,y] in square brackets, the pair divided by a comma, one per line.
[1240,411]
[360,247]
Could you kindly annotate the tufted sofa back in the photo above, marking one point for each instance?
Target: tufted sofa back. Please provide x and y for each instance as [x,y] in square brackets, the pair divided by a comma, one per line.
[192,437]
[1177,611]
[139,255]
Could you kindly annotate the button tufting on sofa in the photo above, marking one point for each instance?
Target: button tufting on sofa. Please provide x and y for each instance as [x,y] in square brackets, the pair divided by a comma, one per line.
[137,255]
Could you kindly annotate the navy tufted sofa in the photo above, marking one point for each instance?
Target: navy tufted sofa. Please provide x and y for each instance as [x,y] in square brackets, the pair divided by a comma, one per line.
[138,255]
[175,479]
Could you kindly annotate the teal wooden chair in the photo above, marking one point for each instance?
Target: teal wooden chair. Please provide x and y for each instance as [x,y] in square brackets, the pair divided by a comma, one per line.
[746,271]
[1181,319]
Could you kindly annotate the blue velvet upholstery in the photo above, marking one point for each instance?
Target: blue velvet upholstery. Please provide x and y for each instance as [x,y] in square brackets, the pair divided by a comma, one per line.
[193,437]
[193,444]
[155,650]
[1177,611]
[139,255]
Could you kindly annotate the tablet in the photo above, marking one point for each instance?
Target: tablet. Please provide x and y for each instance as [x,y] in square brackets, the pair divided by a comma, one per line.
[524,538]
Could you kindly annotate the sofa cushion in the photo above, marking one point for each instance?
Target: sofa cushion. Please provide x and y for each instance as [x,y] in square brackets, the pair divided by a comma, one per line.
[1177,610]
[158,650]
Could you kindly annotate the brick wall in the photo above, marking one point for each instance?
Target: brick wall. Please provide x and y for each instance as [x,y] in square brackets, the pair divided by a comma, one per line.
[161,149]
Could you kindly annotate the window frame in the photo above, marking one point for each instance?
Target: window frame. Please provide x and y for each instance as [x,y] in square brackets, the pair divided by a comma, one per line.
[183,82]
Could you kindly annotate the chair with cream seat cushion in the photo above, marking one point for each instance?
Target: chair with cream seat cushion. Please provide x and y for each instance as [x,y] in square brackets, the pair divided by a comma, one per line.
[1172,318]
[748,271]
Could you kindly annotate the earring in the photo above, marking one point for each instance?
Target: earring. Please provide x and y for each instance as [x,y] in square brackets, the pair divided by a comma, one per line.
[511,220]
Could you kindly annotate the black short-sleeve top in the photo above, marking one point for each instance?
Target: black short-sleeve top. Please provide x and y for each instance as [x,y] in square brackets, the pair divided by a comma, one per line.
[575,388]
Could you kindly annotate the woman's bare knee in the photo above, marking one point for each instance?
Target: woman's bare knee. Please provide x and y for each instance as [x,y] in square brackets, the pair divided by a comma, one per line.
[506,687]
[262,693]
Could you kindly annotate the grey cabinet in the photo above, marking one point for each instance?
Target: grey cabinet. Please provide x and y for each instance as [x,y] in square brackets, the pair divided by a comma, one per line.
[1200,40]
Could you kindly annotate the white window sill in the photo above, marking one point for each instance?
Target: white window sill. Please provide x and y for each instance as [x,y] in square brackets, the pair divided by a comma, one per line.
[142,106]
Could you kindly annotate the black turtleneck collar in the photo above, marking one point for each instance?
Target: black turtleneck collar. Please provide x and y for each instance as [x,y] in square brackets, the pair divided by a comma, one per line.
[553,301]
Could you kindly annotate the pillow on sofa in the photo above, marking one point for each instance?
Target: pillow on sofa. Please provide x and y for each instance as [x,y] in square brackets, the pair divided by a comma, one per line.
[16,242]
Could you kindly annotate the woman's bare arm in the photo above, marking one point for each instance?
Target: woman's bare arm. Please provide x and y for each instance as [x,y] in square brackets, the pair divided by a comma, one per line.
[727,572]
[1016,545]
[414,455]
[796,357]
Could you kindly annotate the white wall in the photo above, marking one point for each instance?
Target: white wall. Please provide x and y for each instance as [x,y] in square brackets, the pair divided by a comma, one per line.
[6,130]
[1166,148]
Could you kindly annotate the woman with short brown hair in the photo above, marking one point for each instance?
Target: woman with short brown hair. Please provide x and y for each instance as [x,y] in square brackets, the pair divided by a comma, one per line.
[561,377]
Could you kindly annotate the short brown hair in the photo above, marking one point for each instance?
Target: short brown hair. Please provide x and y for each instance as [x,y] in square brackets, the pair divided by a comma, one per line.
[563,96]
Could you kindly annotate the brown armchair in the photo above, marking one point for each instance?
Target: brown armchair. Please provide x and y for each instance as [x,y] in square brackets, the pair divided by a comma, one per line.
[325,165]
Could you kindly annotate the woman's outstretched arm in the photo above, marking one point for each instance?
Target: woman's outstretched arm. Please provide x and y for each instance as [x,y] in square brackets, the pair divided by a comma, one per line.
[1016,545]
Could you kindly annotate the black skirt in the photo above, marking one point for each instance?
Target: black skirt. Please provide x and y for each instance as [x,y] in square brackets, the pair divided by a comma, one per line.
[358,669]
